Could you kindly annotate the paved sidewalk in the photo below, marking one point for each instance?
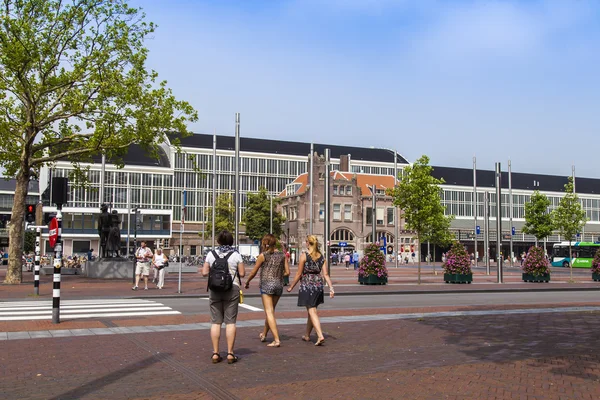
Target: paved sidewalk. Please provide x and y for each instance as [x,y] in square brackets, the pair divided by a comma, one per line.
[522,356]
[401,280]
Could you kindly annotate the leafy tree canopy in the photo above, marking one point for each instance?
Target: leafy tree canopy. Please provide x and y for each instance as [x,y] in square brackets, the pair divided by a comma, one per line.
[224,214]
[538,220]
[257,217]
[74,83]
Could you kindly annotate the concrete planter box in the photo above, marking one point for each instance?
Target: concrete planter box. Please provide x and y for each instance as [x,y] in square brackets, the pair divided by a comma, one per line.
[596,277]
[372,280]
[536,278]
[458,278]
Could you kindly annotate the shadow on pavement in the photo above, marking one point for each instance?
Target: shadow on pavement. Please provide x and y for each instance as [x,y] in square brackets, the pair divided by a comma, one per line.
[562,344]
[113,377]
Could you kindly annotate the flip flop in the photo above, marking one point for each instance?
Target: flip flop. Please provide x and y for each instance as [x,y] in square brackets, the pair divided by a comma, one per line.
[262,337]
[306,338]
[232,360]
[216,360]
[274,344]
[320,342]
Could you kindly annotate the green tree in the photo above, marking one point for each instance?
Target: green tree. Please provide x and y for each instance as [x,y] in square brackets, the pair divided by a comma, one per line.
[29,246]
[257,217]
[538,221]
[569,217]
[419,196]
[74,83]
[224,214]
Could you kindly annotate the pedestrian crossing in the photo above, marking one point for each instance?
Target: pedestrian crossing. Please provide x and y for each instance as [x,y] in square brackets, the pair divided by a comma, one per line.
[76,309]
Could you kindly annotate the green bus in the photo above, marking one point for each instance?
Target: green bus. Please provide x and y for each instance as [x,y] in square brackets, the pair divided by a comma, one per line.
[583,254]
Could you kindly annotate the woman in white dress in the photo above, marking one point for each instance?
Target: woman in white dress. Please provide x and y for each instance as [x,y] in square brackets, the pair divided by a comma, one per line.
[159,261]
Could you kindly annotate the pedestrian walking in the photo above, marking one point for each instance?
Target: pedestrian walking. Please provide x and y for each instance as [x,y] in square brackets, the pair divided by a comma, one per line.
[143,255]
[273,266]
[224,267]
[355,259]
[311,273]
[347,259]
[160,263]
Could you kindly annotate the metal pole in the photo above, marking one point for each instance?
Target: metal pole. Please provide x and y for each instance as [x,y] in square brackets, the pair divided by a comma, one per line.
[36,273]
[58,253]
[396,214]
[499,221]
[510,212]
[374,214]
[486,228]
[181,228]
[271,217]
[475,252]
[236,202]
[326,221]
[214,189]
[310,177]
[102,177]
[573,175]
[135,216]
[128,218]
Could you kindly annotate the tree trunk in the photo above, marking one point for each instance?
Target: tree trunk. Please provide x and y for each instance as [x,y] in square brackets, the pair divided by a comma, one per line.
[419,259]
[16,231]
[570,262]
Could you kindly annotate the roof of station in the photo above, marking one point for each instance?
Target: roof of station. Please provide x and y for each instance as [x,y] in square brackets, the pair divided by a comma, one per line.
[519,180]
[205,141]
[137,155]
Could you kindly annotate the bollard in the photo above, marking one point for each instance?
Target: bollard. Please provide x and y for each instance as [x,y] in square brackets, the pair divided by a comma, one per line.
[57,266]
[36,276]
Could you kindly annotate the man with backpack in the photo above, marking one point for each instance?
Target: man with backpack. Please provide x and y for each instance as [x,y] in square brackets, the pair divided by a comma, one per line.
[224,268]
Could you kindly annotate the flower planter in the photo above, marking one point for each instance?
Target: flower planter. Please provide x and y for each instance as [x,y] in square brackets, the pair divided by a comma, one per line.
[536,278]
[596,276]
[372,280]
[458,278]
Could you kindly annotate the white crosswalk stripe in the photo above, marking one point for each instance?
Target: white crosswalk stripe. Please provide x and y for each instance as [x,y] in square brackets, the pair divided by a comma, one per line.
[71,309]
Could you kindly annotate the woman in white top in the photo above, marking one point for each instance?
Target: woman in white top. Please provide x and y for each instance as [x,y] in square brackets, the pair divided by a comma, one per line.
[224,305]
[158,261]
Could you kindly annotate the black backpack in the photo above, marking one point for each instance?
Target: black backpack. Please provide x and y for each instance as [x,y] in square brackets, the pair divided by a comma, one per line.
[219,278]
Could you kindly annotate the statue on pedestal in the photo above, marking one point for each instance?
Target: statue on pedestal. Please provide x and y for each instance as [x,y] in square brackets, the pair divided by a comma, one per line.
[104,224]
[114,235]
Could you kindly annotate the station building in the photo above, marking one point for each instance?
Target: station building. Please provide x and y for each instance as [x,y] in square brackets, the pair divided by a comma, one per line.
[155,186]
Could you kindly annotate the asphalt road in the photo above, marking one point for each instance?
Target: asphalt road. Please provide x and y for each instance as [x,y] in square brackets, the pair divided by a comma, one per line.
[288,301]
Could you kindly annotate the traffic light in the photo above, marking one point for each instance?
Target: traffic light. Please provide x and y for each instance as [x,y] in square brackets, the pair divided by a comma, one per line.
[30,213]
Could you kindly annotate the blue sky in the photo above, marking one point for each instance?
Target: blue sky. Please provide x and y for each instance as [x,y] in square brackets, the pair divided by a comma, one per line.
[451,79]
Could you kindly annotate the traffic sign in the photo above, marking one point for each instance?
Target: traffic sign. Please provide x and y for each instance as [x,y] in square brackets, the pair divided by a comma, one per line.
[343,244]
[478,229]
[383,244]
[53,231]
[513,231]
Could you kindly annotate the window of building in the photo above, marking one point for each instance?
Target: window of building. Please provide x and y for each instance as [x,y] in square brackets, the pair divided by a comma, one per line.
[193,250]
[335,190]
[390,216]
[380,216]
[81,246]
[369,216]
[321,211]
[348,190]
[348,212]
[337,212]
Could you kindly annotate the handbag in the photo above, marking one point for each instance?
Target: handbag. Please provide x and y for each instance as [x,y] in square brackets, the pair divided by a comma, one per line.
[166,264]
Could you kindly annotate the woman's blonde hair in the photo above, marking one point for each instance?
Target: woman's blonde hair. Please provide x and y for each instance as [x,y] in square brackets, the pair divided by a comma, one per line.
[314,247]
[268,243]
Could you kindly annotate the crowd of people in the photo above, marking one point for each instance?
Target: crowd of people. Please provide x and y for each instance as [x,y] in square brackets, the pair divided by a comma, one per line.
[225,269]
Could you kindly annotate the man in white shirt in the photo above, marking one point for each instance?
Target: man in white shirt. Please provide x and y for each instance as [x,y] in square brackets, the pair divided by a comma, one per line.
[143,255]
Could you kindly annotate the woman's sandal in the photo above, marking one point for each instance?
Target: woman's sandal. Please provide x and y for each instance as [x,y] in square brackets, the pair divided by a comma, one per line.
[306,338]
[320,342]
[274,344]
[216,360]
[262,337]
[232,360]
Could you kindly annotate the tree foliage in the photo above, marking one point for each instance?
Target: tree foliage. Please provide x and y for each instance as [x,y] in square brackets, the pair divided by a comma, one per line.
[419,196]
[224,214]
[74,83]
[538,220]
[257,217]
[569,217]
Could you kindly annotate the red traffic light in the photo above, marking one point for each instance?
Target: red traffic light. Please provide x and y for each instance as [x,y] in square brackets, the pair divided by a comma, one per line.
[30,209]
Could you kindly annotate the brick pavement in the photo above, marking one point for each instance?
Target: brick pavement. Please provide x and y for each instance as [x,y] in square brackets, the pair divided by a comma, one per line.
[528,356]
[401,280]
